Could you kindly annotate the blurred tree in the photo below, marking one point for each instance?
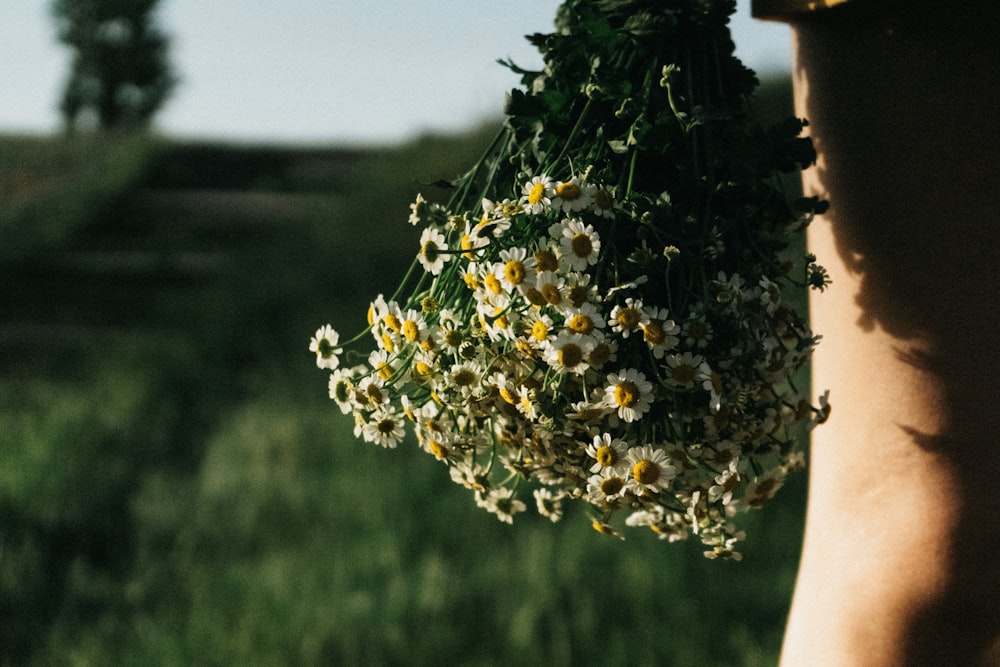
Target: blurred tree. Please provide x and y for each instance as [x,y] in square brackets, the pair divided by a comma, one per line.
[120,74]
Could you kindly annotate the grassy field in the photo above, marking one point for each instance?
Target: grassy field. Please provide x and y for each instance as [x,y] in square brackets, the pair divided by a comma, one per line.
[176,489]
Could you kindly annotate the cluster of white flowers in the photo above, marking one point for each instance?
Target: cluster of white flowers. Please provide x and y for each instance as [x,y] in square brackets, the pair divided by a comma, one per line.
[537,366]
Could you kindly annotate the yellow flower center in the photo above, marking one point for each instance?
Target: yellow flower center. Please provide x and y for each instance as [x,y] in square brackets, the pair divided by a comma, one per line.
[600,355]
[514,272]
[536,194]
[652,333]
[384,371]
[546,261]
[375,394]
[411,331]
[626,394]
[467,245]
[507,395]
[388,343]
[646,472]
[581,324]
[552,294]
[510,209]
[423,368]
[581,245]
[602,199]
[493,284]
[324,348]
[437,449]
[578,295]
[540,330]
[341,391]
[393,322]
[453,338]
[535,297]
[683,374]
[568,191]
[606,455]
[570,355]
[463,378]
[628,318]
[612,486]
[430,251]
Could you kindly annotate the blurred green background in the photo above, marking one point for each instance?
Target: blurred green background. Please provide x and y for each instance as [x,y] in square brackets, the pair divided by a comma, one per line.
[177,489]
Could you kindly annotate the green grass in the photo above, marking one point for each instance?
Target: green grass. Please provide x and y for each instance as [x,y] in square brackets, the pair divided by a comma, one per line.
[184,494]
[51,188]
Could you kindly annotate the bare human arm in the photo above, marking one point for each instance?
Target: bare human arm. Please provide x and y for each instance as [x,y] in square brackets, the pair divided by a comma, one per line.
[901,560]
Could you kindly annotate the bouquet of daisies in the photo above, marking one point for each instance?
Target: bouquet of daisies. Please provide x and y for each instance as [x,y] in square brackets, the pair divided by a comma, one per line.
[597,312]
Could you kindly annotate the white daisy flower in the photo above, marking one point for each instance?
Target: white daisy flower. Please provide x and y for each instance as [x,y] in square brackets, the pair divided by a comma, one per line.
[682,369]
[608,453]
[537,194]
[385,428]
[711,382]
[579,245]
[586,320]
[341,388]
[606,487]
[502,502]
[568,352]
[604,204]
[412,327]
[629,393]
[516,270]
[324,346]
[650,470]
[628,318]
[574,195]
[549,504]
[659,332]
[433,250]
[551,287]
[697,332]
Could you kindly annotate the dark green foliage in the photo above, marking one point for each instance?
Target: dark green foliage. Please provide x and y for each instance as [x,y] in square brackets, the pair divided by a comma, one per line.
[120,74]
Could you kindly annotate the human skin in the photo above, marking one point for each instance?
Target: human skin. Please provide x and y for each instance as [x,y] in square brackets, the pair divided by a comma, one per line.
[902,541]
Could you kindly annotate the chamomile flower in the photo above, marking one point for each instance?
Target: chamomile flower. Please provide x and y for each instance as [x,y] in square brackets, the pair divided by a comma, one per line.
[433,250]
[502,503]
[586,320]
[341,388]
[650,470]
[464,377]
[608,452]
[579,244]
[659,332]
[385,428]
[604,204]
[413,326]
[629,393]
[697,332]
[516,270]
[568,352]
[573,195]
[324,346]
[628,318]
[711,382]
[537,194]
[606,487]
[551,287]
[682,369]
[549,504]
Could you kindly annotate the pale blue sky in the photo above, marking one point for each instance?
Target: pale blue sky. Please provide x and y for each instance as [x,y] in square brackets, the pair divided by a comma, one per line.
[321,71]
